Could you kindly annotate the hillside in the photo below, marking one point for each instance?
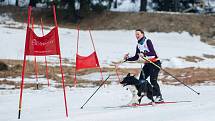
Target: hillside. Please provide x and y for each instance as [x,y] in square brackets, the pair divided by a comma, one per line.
[202,25]
[158,22]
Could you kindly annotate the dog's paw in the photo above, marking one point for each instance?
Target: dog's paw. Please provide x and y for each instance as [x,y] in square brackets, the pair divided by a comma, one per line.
[124,85]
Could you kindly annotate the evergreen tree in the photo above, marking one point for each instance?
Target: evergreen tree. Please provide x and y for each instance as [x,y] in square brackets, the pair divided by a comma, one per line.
[84,7]
[71,9]
[17,3]
[143,4]
[33,3]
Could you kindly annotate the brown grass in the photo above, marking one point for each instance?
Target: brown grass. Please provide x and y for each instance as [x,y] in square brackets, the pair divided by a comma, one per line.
[192,58]
[189,76]
[16,85]
[209,56]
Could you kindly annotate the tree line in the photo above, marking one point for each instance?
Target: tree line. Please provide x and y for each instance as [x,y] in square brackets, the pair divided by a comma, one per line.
[80,8]
[100,5]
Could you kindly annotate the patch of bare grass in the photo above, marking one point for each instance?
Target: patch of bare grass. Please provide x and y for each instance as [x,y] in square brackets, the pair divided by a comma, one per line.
[189,76]
[192,58]
[3,66]
[209,56]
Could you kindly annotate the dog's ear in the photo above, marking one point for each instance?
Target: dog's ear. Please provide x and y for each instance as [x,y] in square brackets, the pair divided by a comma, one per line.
[128,74]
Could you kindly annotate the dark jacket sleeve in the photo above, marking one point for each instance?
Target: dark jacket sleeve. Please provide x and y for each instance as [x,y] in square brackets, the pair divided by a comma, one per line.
[135,57]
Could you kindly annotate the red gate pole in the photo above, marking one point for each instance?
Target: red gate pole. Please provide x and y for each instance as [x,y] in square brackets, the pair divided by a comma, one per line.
[61,69]
[35,59]
[41,20]
[116,69]
[63,85]
[36,71]
[75,79]
[96,53]
[21,87]
[23,70]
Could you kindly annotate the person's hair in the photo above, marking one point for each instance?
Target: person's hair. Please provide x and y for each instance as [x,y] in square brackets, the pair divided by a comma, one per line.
[140,30]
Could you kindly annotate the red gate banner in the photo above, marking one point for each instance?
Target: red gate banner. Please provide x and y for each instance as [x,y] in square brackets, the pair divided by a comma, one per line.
[84,62]
[90,61]
[42,46]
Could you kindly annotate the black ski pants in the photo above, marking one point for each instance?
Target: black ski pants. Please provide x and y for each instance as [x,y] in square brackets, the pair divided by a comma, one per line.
[150,70]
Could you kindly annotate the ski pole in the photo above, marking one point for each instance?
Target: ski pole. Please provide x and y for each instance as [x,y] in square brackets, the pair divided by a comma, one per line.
[116,68]
[170,75]
[95,91]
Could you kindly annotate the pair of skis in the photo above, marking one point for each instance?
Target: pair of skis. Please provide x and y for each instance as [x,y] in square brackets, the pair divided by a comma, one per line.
[163,102]
[148,104]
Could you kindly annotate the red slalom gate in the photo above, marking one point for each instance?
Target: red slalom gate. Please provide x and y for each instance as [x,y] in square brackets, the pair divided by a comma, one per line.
[41,46]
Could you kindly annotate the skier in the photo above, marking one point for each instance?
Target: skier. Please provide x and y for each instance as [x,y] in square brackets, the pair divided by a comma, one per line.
[145,49]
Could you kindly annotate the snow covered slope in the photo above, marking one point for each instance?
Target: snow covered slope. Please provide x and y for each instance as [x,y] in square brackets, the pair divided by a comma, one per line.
[48,105]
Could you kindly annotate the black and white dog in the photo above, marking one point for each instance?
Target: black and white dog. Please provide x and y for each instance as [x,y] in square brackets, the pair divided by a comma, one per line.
[138,88]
